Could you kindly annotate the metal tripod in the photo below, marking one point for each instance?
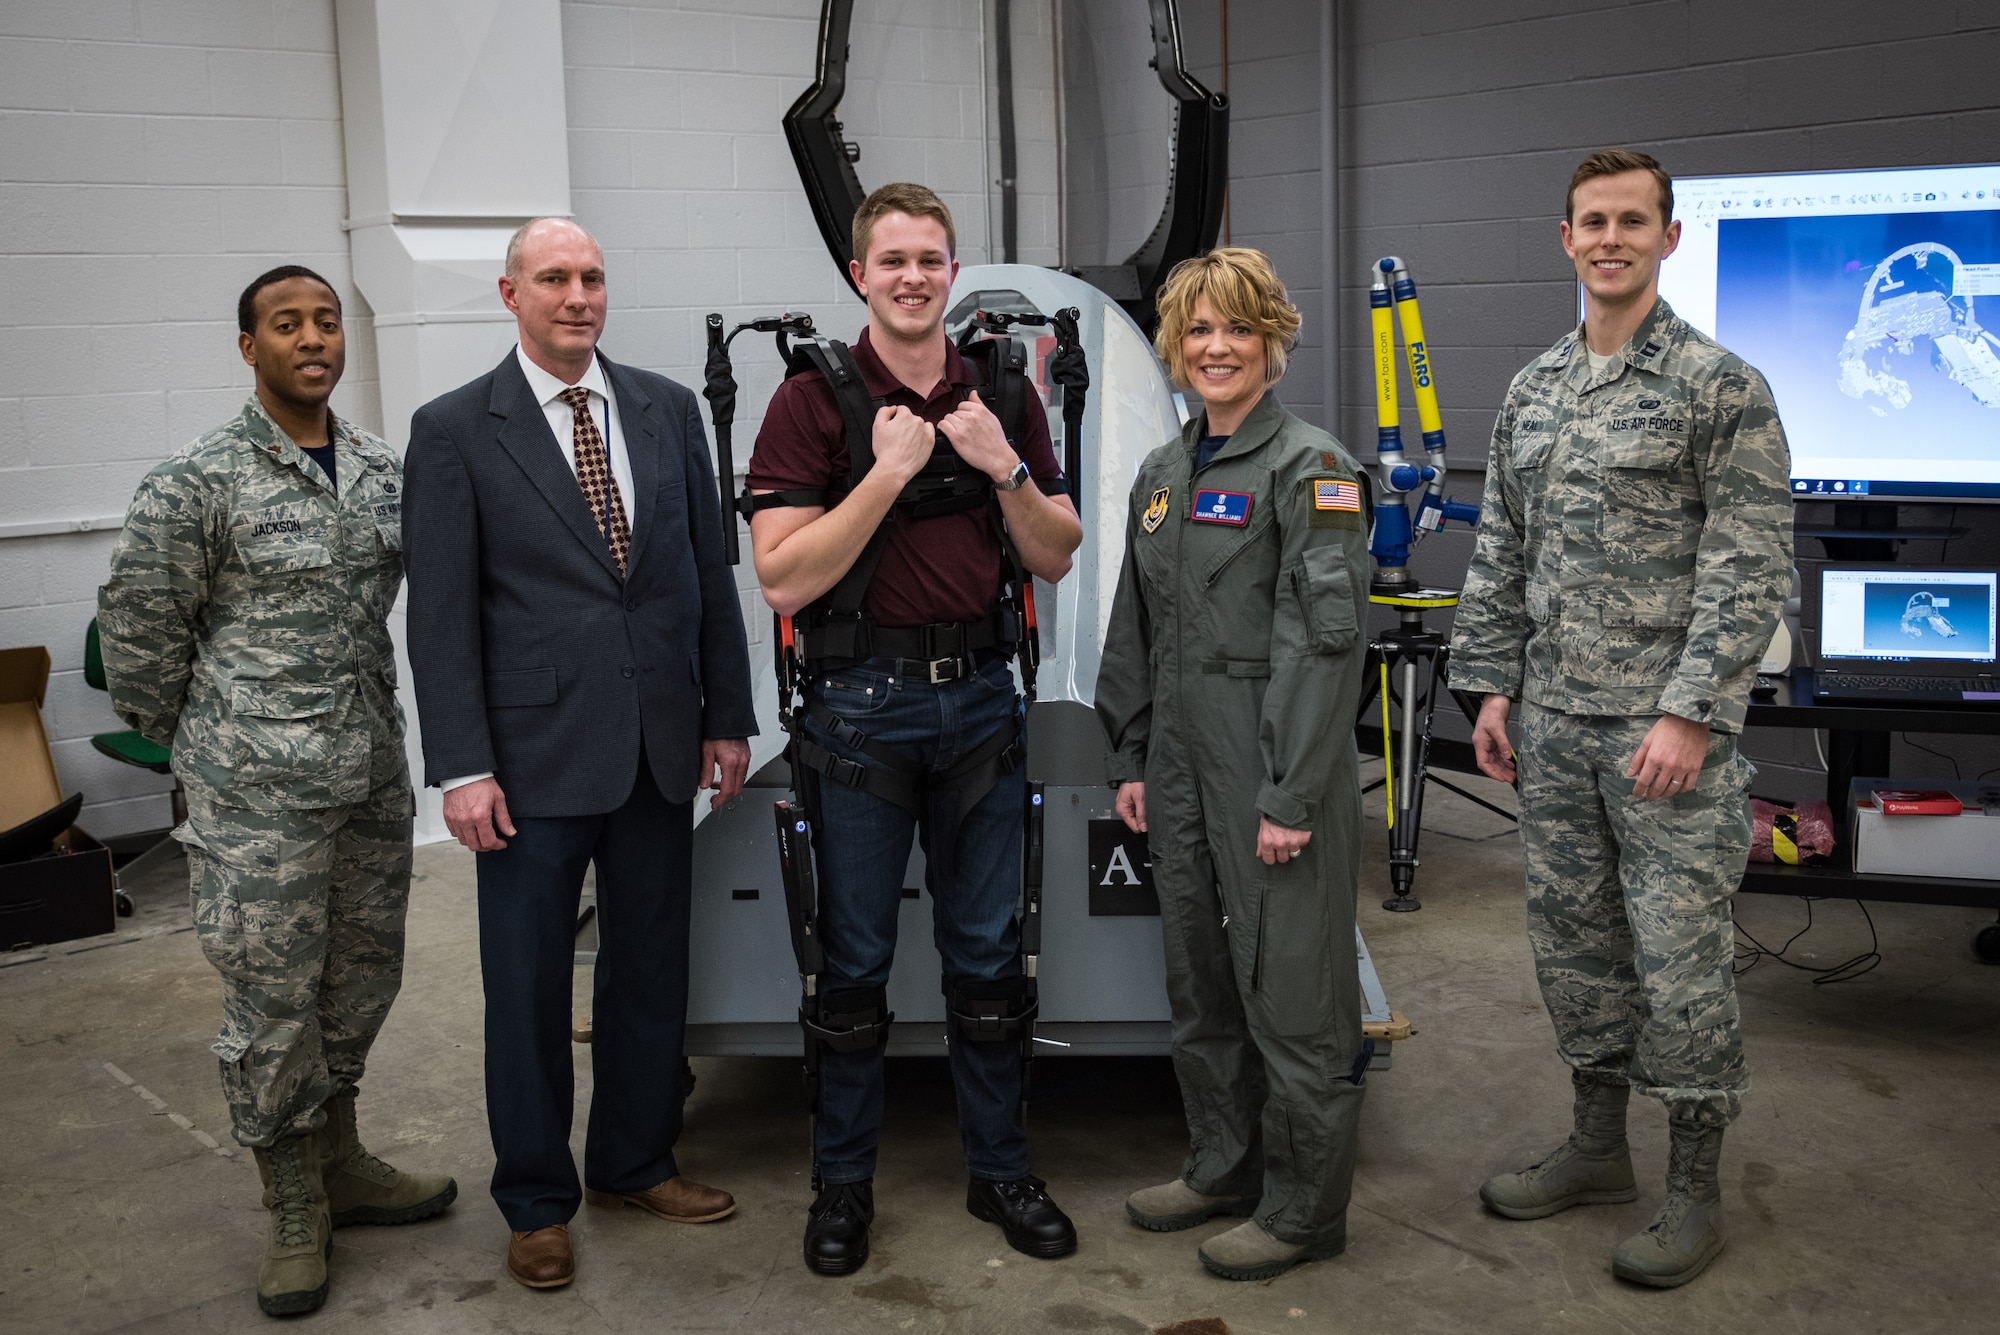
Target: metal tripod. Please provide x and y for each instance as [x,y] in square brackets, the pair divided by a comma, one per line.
[1405,670]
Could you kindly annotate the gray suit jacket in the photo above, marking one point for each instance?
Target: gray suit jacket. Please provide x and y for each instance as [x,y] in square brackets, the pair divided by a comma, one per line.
[532,658]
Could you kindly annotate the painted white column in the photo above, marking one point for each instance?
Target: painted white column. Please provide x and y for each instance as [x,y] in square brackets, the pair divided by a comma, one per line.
[456,132]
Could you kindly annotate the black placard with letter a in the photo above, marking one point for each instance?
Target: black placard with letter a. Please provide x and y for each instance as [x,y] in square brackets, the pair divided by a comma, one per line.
[1121,873]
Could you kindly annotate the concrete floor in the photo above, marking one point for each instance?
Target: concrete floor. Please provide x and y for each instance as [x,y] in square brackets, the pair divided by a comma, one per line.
[1861,1180]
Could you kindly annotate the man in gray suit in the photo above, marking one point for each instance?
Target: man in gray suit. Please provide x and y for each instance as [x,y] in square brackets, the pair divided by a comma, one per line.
[581,671]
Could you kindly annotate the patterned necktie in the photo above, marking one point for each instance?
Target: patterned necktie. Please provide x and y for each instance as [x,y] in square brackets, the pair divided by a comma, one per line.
[593,474]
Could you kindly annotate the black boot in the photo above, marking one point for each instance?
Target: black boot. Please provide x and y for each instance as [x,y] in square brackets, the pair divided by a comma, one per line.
[1034,1224]
[837,1228]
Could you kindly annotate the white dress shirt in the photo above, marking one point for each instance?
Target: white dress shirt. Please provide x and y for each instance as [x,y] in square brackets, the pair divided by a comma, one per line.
[548,390]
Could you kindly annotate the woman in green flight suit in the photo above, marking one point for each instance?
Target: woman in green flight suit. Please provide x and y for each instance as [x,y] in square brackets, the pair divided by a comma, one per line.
[1231,675]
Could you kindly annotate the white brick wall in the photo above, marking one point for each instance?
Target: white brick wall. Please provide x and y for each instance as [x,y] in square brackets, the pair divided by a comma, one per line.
[155,155]
[678,165]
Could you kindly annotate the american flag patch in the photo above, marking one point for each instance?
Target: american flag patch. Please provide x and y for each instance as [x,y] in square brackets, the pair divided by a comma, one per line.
[1336,495]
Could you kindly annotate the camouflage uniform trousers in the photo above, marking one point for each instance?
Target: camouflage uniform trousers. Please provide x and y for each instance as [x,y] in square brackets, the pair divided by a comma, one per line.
[301,912]
[1629,910]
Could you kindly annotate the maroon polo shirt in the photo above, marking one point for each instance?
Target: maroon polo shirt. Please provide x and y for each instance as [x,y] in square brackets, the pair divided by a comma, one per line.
[941,569]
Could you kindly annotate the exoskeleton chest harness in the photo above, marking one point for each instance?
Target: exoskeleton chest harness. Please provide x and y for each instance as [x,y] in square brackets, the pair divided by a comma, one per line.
[837,629]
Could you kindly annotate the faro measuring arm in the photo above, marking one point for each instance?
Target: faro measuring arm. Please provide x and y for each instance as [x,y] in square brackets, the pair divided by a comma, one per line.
[1395,531]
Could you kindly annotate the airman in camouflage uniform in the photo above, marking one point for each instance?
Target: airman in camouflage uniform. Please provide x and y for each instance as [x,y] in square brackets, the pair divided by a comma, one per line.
[1633,556]
[245,626]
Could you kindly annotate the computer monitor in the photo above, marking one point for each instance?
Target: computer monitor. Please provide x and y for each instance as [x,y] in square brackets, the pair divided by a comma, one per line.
[1894,615]
[1871,302]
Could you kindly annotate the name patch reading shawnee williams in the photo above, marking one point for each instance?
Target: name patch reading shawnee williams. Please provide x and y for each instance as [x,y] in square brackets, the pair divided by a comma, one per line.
[1221,507]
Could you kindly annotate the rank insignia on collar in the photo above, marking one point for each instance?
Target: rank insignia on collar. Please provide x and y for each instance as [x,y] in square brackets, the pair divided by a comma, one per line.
[1221,507]
[1156,510]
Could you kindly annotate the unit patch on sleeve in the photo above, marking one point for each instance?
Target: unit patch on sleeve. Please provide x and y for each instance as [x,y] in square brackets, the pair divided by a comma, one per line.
[1221,507]
[1156,510]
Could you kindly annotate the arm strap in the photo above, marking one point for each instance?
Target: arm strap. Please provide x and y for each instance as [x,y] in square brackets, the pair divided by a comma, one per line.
[750,503]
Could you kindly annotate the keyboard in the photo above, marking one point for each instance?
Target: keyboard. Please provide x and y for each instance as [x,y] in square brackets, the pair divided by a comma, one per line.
[1856,681]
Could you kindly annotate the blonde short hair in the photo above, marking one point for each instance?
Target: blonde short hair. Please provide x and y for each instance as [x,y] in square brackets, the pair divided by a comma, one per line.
[1243,288]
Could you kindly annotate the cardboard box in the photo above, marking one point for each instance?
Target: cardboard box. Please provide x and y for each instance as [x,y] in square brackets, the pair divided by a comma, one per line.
[65,893]
[1966,846]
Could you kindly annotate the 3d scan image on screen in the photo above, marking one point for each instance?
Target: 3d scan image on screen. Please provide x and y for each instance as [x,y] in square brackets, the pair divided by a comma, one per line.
[1871,302]
[1925,621]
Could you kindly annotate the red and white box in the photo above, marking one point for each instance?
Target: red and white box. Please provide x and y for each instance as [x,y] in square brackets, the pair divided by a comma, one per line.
[1930,842]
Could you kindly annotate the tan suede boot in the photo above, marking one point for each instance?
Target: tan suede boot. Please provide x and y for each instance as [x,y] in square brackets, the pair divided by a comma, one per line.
[361,1189]
[1687,1233]
[293,1277]
[1592,1167]
[1249,1252]
[1175,1205]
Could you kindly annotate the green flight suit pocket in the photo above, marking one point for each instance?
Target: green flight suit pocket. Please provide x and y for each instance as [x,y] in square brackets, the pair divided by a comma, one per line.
[1325,588]
[1291,968]
[1245,541]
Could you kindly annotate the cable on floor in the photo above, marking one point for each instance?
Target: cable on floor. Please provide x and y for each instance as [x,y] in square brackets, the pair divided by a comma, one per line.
[1749,956]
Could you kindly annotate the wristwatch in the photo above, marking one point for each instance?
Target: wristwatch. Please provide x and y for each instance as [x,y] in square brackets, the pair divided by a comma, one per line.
[1015,480]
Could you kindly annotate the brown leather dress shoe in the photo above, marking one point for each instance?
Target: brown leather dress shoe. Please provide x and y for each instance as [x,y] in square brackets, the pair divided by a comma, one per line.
[541,1258]
[675,1199]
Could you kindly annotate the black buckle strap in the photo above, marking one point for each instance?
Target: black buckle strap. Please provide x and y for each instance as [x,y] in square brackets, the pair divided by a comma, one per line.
[842,771]
[1003,752]
[995,1012]
[863,1024]
[898,779]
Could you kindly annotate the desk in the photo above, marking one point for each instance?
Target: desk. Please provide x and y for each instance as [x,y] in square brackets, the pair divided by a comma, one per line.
[1858,743]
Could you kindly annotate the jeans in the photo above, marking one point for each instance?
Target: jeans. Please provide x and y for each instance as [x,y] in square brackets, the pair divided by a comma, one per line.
[973,868]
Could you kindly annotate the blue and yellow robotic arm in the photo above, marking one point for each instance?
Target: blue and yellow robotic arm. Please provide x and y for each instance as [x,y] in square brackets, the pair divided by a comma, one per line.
[1396,530]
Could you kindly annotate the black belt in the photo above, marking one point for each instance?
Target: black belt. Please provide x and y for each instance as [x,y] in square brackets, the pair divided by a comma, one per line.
[936,671]
[941,652]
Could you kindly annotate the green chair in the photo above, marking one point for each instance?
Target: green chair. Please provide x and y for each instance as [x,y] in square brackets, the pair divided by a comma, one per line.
[129,748]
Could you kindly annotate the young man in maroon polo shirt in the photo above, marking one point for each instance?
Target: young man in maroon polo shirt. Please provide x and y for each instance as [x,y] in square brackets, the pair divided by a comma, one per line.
[928,680]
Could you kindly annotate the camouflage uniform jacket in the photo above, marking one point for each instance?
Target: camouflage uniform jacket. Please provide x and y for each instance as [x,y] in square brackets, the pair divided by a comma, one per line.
[1635,548]
[245,622]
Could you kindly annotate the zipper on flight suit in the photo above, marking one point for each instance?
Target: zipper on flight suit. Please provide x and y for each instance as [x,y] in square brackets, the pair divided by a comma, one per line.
[1257,951]
[1244,544]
